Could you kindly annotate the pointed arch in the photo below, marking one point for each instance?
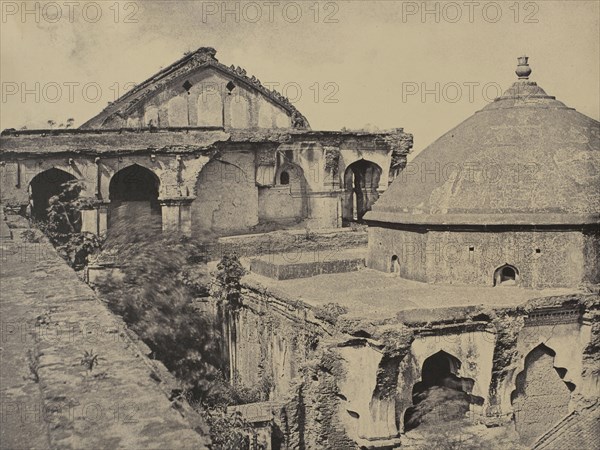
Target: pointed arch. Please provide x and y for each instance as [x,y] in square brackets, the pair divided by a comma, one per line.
[441,394]
[507,275]
[226,199]
[541,396]
[361,181]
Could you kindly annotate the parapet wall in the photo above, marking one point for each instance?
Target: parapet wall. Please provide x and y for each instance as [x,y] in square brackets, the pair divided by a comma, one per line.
[50,319]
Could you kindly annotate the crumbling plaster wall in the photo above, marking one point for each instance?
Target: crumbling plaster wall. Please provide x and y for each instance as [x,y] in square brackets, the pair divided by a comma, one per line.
[366,418]
[15,176]
[226,194]
[340,388]
[271,339]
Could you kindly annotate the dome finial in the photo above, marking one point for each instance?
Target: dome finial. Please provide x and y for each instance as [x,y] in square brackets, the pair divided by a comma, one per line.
[523,70]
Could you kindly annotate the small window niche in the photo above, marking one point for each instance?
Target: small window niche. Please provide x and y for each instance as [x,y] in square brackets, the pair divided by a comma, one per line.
[506,275]
[395,265]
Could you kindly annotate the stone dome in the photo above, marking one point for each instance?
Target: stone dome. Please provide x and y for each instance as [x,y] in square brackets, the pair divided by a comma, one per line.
[525,158]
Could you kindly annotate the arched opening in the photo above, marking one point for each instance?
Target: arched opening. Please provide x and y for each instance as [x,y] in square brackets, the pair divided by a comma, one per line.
[361,180]
[225,201]
[506,275]
[441,396]
[284,178]
[44,186]
[541,398]
[395,265]
[133,193]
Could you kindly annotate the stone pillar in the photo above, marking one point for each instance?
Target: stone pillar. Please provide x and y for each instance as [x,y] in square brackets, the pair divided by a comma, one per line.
[324,209]
[95,219]
[102,219]
[177,215]
[89,220]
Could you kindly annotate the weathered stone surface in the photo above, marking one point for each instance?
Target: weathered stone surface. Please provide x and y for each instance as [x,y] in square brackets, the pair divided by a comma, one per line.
[304,265]
[49,399]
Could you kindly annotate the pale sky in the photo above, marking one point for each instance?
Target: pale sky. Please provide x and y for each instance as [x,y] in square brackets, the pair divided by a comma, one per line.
[349,63]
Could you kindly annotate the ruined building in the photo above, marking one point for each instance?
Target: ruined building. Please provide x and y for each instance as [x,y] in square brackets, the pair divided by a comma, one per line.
[202,147]
[472,312]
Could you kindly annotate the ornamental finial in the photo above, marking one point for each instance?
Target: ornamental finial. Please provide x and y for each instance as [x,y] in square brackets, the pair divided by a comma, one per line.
[523,70]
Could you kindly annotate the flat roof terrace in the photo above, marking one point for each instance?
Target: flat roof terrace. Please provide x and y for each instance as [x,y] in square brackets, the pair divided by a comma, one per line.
[370,294]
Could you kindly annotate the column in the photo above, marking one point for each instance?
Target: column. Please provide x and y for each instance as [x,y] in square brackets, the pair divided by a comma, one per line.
[89,220]
[177,215]
[102,219]
[94,219]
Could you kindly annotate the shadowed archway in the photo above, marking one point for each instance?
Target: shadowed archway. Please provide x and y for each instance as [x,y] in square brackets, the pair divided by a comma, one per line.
[44,186]
[506,275]
[361,180]
[441,396]
[133,194]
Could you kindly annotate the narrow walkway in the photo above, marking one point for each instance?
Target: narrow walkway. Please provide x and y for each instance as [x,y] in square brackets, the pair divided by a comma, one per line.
[50,318]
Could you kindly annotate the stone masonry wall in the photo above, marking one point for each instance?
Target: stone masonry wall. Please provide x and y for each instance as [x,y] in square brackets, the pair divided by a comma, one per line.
[543,258]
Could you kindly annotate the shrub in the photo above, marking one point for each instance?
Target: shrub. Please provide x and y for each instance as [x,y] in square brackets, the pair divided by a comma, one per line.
[155,297]
[63,226]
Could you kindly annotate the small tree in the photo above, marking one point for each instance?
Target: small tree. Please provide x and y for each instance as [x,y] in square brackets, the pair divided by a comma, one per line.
[63,226]
[229,275]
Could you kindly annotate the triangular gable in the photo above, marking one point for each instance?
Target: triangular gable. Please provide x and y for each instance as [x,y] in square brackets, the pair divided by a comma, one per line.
[202,58]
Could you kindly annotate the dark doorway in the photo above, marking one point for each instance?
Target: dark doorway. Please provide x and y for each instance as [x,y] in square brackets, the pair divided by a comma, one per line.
[43,186]
[395,265]
[361,181]
[441,396]
[284,178]
[133,194]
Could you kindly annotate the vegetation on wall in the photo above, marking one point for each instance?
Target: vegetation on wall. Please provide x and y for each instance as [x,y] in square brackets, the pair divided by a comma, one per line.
[332,161]
[63,226]
[229,275]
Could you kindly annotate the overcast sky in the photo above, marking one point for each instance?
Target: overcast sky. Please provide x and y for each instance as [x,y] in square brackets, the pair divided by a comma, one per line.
[345,64]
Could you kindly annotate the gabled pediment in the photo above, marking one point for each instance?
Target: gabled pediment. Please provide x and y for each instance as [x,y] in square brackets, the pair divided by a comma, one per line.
[199,91]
